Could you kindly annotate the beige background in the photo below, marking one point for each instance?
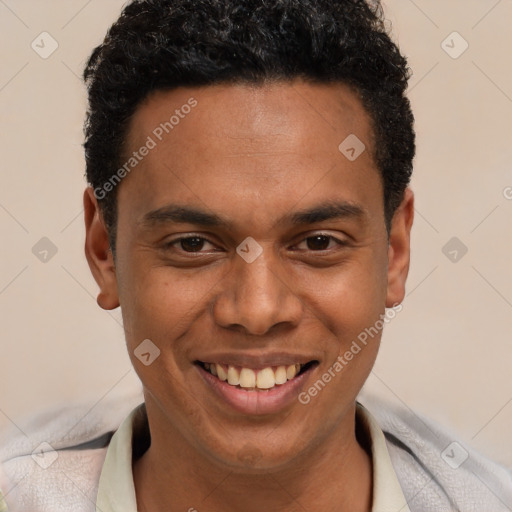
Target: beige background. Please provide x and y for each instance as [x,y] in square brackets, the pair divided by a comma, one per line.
[447,354]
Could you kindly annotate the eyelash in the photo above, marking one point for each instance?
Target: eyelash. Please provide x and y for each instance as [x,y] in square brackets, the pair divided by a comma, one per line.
[173,243]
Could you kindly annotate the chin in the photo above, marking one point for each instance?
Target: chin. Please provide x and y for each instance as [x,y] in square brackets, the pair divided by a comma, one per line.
[256,458]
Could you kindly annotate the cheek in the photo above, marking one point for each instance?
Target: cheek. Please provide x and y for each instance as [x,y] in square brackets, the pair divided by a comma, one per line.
[350,309]
[348,298]
[160,303]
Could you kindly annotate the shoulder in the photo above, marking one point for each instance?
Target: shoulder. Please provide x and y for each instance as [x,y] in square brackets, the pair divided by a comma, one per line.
[437,471]
[52,461]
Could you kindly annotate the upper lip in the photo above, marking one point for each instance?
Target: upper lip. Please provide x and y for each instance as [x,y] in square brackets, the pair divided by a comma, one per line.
[248,360]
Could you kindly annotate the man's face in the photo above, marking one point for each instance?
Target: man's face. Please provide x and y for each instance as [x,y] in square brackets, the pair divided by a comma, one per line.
[260,162]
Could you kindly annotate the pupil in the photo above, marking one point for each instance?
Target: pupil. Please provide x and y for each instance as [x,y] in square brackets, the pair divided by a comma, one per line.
[319,242]
[192,244]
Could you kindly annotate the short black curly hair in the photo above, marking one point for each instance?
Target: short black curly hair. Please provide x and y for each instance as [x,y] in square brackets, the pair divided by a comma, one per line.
[164,44]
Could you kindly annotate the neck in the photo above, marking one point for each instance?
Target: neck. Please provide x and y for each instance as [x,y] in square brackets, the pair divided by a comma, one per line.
[334,475]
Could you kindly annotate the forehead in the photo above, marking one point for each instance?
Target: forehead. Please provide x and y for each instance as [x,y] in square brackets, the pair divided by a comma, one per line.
[221,145]
[249,114]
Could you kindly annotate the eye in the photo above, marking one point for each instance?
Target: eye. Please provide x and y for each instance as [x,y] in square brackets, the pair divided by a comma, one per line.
[320,242]
[190,244]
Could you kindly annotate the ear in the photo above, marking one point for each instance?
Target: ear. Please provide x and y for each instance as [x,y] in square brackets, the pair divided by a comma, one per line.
[399,249]
[98,252]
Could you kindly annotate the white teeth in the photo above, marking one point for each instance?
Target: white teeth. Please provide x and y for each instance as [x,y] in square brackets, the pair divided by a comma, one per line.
[221,373]
[233,376]
[247,378]
[281,375]
[266,378]
[291,371]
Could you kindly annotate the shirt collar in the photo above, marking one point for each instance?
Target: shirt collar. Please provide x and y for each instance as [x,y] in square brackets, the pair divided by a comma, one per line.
[116,490]
[387,492]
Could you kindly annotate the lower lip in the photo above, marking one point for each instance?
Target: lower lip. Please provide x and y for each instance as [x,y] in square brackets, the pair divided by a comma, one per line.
[257,402]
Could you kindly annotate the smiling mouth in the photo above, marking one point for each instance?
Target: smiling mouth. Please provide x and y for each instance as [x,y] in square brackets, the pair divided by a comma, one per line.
[256,379]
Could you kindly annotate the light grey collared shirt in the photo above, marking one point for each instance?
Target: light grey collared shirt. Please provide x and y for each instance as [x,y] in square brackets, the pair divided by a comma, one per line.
[116,491]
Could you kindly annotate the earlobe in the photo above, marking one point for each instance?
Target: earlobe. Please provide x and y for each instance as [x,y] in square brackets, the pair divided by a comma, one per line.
[98,252]
[399,250]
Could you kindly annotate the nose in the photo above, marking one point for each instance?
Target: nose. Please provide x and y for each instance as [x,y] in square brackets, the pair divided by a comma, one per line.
[255,298]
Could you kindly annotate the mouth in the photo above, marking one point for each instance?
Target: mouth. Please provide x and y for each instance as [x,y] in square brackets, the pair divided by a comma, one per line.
[256,379]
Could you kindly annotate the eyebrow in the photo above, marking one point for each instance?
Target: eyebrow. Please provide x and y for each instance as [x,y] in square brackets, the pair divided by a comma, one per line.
[330,210]
[326,211]
[183,215]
